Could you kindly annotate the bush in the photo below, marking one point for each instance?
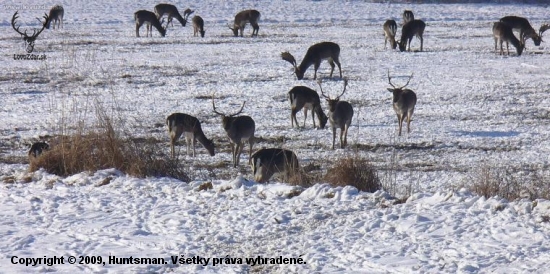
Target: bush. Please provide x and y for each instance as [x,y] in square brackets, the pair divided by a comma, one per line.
[354,171]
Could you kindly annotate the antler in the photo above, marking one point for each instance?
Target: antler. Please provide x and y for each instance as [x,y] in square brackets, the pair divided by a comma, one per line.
[322,93]
[13,24]
[226,115]
[289,58]
[389,80]
[43,26]
[187,12]
[543,28]
[214,107]
[345,85]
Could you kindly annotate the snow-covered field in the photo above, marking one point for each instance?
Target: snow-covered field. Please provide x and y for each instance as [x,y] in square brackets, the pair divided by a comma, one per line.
[475,108]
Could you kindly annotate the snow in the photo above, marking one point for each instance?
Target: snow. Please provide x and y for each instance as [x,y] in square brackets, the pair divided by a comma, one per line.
[474,108]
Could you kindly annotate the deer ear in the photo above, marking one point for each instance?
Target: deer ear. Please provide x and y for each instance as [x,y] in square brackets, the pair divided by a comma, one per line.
[390,89]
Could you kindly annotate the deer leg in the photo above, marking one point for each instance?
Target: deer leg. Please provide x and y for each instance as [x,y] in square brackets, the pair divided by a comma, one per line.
[316,67]
[507,47]
[409,123]
[256,28]
[337,61]
[137,29]
[333,136]
[342,136]
[193,142]
[421,42]
[331,63]
[305,116]
[385,42]
[409,49]
[312,118]
[251,143]
[401,117]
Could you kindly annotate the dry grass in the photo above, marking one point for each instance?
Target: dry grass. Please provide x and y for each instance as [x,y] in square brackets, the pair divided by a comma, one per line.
[354,171]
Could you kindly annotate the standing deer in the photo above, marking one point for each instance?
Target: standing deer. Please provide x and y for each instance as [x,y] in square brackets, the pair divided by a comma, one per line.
[179,123]
[172,12]
[411,29]
[56,15]
[198,25]
[243,17]
[503,33]
[340,114]
[404,101]
[37,148]
[239,129]
[525,29]
[315,54]
[150,19]
[390,29]
[29,39]
[268,161]
[308,99]
[408,16]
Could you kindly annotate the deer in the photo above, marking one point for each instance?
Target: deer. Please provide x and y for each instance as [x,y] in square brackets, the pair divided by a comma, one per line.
[503,33]
[179,123]
[404,101]
[145,16]
[315,54]
[340,115]
[408,16]
[172,12]
[542,29]
[308,99]
[243,17]
[524,27]
[409,30]
[269,161]
[29,39]
[37,148]
[56,15]
[239,129]
[198,25]
[390,29]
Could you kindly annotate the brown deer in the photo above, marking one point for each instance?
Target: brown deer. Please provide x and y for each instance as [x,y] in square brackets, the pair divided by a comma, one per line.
[29,39]
[404,101]
[408,16]
[172,12]
[308,99]
[198,25]
[179,123]
[150,19]
[269,161]
[525,29]
[340,115]
[503,33]
[243,17]
[239,129]
[390,29]
[56,15]
[409,30]
[315,54]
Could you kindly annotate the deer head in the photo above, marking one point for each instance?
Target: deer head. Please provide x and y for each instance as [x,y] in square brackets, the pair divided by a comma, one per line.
[542,29]
[332,102]
[29,39]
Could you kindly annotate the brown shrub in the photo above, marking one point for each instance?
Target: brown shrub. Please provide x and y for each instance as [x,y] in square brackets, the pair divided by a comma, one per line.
[354,171]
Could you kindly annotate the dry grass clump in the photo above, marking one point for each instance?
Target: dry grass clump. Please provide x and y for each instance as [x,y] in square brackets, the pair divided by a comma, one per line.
[354,171]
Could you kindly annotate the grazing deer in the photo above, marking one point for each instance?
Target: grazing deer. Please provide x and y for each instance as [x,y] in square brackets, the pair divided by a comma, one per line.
[408,16]
[340,114]
[525,29]
[315,54]
[390,29]
[268,161]
[411,29]
[37,149]
[306,98]
[179,123]
[29,39]
[56,15]
[239,129]
[404,101]
[542,29]
[243,17]
[198,25]
[172,12]
[503,33]
[145,16]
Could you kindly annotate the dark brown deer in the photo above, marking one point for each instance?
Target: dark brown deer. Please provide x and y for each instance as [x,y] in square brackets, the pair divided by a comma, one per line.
[390,29]
[56,15]
[503,33]
[37,149]
[269,161]
[29,39]
[244,17]
[172,12]
[408,16]
[404,101]
[340,115]
[198,25]
[409,30]
[308,99]
[239,129]
[179,123]
[315,54]
[524,27]
[150,19]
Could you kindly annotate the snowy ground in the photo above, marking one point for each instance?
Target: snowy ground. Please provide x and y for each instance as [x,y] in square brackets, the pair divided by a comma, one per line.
[474,108]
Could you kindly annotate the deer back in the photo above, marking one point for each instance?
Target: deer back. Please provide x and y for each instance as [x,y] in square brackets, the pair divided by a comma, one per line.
[318,52]
[238,127]
[268,161]
[340,113]
[404,100]
[301,95]
[246,16]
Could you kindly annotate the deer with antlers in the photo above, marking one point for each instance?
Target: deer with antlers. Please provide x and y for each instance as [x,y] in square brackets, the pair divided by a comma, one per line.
[243,17]
[56,15]
[239,129]
[29,39]
[340,115]
[315,54]
[404,101]
[172,12]
[267,162]
[308,99]
[179,123]
[150,19]
[525,29]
